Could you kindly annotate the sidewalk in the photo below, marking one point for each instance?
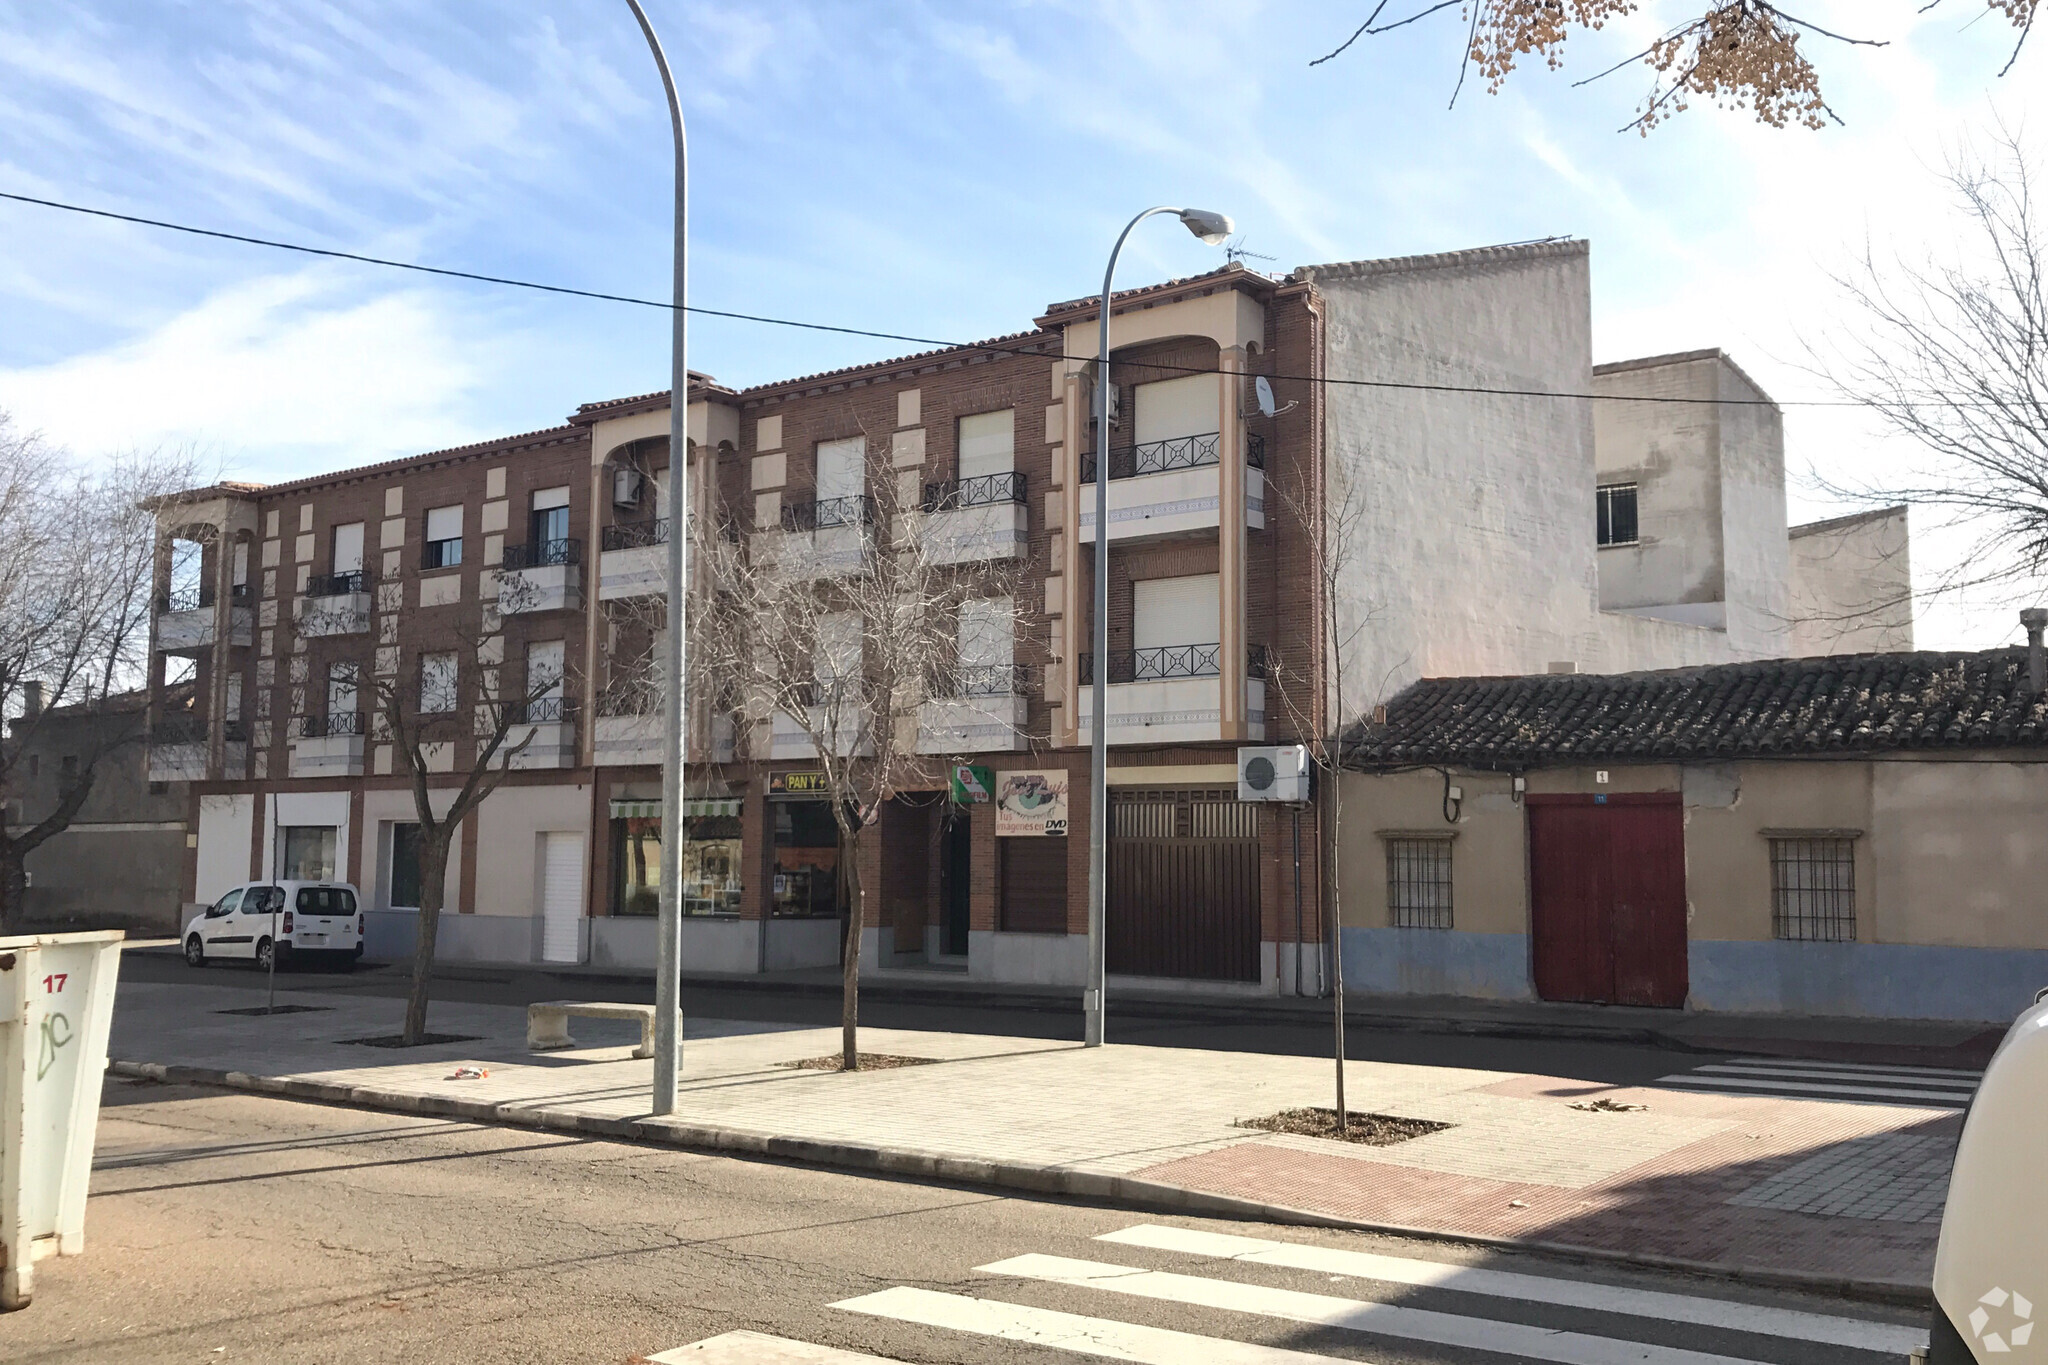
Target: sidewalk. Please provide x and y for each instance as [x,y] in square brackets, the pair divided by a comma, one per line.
[1884,1042]
[1790,1191]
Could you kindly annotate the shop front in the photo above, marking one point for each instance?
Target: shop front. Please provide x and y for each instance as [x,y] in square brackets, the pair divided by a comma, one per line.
[714,935]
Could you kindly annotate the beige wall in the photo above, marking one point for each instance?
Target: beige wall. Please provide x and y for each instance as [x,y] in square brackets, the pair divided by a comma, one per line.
[1960,853]
[1728,857]
[1488,892]
[509,825]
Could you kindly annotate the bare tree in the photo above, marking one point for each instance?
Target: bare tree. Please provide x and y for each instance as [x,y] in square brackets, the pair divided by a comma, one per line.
[1951,352]
[76,556]
[836,628]
[446,706]
[1742,54]
[1320,702]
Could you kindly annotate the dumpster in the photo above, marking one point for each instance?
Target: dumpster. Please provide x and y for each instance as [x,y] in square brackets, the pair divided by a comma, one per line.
[57,994]
[1991,1266]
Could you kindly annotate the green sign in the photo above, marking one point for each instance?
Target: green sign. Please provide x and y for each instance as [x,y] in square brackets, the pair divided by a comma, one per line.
[973,785]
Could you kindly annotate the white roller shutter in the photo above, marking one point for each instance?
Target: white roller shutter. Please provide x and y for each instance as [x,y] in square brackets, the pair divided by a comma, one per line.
[988,443]
[561,896]
[546,498]
[348,548]
[987,632]
[444,523]
[1176,611]
[839,467]
[1171,408]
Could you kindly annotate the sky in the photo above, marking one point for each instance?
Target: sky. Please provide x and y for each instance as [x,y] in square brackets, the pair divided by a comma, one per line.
[934,168]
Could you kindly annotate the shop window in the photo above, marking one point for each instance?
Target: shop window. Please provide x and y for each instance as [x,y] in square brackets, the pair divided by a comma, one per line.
[309,853]
[807,872]
[405,865]
[711,865]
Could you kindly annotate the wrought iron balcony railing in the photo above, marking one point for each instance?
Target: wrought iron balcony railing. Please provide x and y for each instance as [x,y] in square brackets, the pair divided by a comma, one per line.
[543,711]
[1175,661]
[333,723]
[193,599]
[635,535]
[1260,662]
[338,584]
[981,680]
[541,554]
[857,510]
[1255,450]
[986,490]
[179,729]
[1156,457]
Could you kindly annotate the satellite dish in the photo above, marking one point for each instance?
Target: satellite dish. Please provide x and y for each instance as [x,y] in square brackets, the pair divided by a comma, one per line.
[1263,387]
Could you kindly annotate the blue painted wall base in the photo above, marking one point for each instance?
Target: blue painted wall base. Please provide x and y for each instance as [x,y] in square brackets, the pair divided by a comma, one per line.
[1437,962]
[1866,980]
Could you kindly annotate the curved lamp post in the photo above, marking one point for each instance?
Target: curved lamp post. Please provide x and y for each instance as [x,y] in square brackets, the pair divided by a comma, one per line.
[1212,228]
[668,939]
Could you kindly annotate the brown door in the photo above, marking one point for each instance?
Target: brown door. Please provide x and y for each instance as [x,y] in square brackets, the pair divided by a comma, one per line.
[1607,881]
[1183,895]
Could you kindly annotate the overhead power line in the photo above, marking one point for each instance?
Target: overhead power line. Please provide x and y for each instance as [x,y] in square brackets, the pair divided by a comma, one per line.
[994,347]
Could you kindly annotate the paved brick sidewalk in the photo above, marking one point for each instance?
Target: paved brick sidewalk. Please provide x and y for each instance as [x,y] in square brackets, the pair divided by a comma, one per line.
[1777,1186]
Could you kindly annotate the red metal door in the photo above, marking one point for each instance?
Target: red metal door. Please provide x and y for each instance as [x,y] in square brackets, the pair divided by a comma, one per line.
[1607,898]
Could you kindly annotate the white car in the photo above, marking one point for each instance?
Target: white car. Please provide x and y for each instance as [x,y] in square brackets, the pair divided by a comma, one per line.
[303,920]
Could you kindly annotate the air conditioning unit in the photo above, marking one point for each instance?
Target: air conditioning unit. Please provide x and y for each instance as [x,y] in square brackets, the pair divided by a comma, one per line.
[1273,773]
[625,488]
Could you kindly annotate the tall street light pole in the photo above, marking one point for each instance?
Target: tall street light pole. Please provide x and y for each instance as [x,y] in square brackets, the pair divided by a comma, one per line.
[1212,228]
[668,960]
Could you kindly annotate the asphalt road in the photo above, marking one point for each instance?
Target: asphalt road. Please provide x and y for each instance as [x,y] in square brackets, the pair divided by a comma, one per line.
[1236,1030]
[226,1227]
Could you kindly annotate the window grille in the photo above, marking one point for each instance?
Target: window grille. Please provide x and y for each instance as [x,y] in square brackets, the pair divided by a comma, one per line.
[1813,889]
[1617,514]
[1419,883]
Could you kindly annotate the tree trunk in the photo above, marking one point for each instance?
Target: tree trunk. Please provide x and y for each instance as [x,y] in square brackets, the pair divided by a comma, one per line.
[433,883]
[849,966]
[1337,931]
[13,890]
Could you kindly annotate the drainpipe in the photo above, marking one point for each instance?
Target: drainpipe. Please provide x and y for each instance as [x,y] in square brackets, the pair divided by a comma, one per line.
[2035,619]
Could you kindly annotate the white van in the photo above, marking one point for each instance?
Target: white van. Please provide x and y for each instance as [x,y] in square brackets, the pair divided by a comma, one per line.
[306,921]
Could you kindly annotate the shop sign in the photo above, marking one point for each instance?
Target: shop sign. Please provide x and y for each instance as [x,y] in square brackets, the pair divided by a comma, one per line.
[973,785]
[1031,803]
[798,784]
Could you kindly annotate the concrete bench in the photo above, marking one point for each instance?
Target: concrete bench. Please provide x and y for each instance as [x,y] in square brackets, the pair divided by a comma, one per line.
[547,1022]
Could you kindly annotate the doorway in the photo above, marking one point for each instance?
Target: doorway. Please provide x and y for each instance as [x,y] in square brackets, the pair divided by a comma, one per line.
[561,897]
[1607,898]
[956,871]
[1183,894]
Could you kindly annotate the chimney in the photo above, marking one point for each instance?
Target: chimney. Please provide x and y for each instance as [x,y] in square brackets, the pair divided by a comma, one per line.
[32,692]
[2035,619]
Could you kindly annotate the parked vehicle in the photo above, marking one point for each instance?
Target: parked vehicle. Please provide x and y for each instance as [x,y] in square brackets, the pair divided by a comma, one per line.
[299,921]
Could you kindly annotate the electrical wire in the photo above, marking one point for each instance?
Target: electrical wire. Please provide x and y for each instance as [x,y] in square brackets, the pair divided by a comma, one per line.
[992,347]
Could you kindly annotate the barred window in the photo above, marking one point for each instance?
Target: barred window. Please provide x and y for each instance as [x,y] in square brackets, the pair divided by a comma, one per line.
[1616,514]
[1419,883]
[1813,888]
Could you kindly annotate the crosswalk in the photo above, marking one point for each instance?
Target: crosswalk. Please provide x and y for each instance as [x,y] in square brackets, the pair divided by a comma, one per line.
[1924,1087]
[1362,1306]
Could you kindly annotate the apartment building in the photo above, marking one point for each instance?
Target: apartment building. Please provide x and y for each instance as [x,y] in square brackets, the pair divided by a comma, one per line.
[533,564]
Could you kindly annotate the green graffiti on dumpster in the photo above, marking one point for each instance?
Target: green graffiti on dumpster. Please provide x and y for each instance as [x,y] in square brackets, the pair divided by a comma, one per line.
[52,1040]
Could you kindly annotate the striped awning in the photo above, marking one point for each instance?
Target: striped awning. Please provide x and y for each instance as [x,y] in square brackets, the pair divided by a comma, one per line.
[698,808]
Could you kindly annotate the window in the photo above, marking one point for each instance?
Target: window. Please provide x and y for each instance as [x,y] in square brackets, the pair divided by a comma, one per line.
[1176,611]
[226,905]
[444,537]
[159,788]
[1419,883]
[309,853]
[1813,888]
[404,880]
[341,696]
[841,468]
[1617,514]
[325,901]
[806,855]
[711,865]
[348,549]
[438,678]
[549,524]
[988,444]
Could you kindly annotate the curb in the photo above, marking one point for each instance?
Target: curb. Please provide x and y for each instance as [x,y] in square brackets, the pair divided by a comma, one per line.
[1006,1175]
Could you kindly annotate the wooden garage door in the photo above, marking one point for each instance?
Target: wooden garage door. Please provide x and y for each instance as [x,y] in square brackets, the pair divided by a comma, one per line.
[1183,896]
[1607,893]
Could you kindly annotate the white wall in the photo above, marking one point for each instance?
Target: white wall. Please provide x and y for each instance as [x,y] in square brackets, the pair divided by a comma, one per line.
[509,825]
[225,824]
[1852,585]
[383,807]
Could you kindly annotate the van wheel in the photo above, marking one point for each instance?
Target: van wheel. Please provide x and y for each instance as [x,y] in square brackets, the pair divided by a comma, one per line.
[264,955]
[195,952]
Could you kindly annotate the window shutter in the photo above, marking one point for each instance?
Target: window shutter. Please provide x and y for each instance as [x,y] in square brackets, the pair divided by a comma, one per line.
[1171,408]
[1176,611]
[988,443]
[546,498]
[445,523]
[348,548]
[839,467]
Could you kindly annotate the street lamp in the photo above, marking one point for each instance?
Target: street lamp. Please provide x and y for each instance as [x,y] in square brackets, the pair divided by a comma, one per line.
[1212,228]
[668,952]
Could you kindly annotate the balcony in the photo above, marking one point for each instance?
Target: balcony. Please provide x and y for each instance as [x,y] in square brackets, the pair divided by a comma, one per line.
[177,750]
[1164,488]
[631,730]
[329,745]
[852,737]
[820,539]
[634,560]
[543,732]
[972,520]
[1171,695]
[185,620]
[980,709]
[334,604]
[546,575]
